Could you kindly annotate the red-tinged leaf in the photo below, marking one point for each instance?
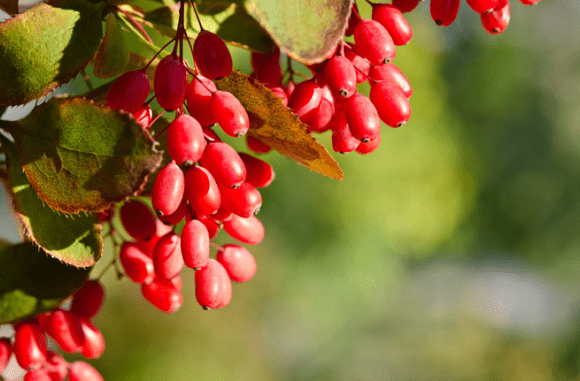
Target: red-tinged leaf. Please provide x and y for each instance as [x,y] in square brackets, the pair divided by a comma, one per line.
[305,30]
[275,125]
[80,156]
[9,6]
[113,54]
[46,47]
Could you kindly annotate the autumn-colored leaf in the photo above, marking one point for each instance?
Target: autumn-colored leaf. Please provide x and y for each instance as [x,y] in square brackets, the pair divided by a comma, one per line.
[9,6]
[113,54]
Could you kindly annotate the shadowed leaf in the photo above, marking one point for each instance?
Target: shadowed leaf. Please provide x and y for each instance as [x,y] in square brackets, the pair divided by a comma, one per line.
[113,54]
[9,6]
[243,30]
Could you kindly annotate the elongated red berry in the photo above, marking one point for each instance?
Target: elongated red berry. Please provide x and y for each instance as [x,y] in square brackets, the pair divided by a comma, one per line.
[482,6]
[82,371]
[244,201]
[5,353]
[342,139]
[198,96]
[267,68]
[213,227]
[144,116]
[88,300]
[225,164]
[360,65]
[213,288]
[202,191]
[162,295]
[65,328]
[392,74]
[229,113]
[394,22]
[167,258]
[149,246]
[247,230]
[185,140]
[29,346]
[39,374]
[195,244]
[94,344]
[138,220]
[174,282]
[373,42]
[56,366]
[362,118]
[211,55]
[170,83]
[497,21]
[305,97]
[406,5]
[391,103]
[129,91]
[222,214]
[444,12]
[238,262]
[256,145]
[529,2]
[168,189]
[138,265]
[176,217]
[258,173]
[318,120]
[368,147]
[341,76]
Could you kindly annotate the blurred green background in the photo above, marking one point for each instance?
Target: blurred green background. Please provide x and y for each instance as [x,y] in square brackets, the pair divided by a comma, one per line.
[450,253]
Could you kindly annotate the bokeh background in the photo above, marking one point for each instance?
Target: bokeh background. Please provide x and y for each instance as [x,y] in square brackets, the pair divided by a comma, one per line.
[450,253]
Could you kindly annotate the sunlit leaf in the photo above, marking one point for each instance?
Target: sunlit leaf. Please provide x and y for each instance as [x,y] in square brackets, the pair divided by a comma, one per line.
[113,54]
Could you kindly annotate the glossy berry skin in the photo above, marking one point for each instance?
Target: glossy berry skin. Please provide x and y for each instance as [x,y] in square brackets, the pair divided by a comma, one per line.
[167,258]
[360,65]
[39,374]
[373,42]
[65,328]
[213,288]
[138,265]
[198,96]
[185,140]
[318,120]
[138,220]
[267,68]
[170,83]
[362,118]
[56,366]
[497,21]
[212,227]
[247,230]
[394,22]
[211,55]
[244,201]
[392,74]
[225,164]
[129,91]
[222,214]
[406,5]
[148,246]
[391,103]
[341,76]
[258,173]
[229,113]
[94,344]
[195,244]
[305,97]
[168,189]
[162,295]
[256,145]
[342,139]
[482,6]
[88,300]
[529,2]
[5,353]
[29,346]
[444,12]
[82,371]
[176,217]
[202,191]
[238,262]
[144,116]
[364,148]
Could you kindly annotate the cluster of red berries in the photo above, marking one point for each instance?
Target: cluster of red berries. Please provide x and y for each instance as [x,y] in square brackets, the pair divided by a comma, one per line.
[72,331]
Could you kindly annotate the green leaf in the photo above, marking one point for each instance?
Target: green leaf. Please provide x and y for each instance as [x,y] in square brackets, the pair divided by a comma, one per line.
[243,30]
[9,6]
[33,282]
[80,156]
[75,240]
[46,47]
[305,30]
[212,7]
[275,125]
[164,20]
[113,54]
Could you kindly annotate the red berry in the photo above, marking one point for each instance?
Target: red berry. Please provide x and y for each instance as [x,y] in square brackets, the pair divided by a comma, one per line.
[149,246]
[212,227]
[256,145]
[168,189]
[185,140]
[138,264]
[222,214]
[176,217]
[362,118]
[144,116]
[39,374]
[361,65]
[106,215]
[163,295]
[244,201]
[129,91]
[392,74]
[305,97]
[94,344]
[65,328]
[29,346]
[167,258]
[88,300]
[391,103]
[247,230]
[229,113]
[341,76]
[225,164]
[258,173]
[368,147]
[342,139]
[406,5]
[238,262]
[174,282]
[267,68]
[211,55]
[394,22]
[213,288]
[498,20]
[195,244]
[5,353]
[444,12]
[318,120]
[529,2]
[82,371]
[170,83]
[202,191]
[482,6]
[138,220]
[280,93]
[198,95]
[353,21]
[373,42]
[56,366]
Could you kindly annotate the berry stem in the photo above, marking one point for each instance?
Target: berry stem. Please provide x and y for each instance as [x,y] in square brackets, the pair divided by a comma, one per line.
[156,54]
[218,247]
[136,24]
[197,16]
